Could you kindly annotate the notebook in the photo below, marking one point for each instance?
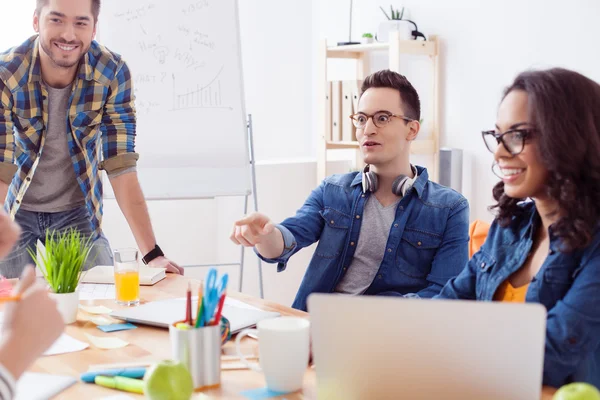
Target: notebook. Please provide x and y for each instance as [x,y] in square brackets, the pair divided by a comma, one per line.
[36,386]
[162,313]
[105,274]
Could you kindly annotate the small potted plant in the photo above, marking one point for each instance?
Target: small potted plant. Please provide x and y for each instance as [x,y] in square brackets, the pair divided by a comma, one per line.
[395,22]
[367,38]
[61,265]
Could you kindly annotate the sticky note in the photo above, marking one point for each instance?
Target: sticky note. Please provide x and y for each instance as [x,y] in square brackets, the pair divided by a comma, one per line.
[102,320]
[116,327]
[260,394]
[106,342]
[95,309]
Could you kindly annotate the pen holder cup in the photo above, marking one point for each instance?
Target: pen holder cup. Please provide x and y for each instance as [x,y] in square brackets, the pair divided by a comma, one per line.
[199,349]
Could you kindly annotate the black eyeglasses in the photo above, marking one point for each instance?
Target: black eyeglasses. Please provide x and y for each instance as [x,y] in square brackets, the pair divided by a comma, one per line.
[513,140]
[380,119]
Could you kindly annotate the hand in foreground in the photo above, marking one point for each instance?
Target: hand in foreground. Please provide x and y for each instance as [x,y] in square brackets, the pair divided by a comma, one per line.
[31,324]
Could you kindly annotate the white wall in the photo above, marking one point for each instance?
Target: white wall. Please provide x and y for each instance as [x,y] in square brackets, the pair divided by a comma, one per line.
[484,45]
[18,27]
[277,49]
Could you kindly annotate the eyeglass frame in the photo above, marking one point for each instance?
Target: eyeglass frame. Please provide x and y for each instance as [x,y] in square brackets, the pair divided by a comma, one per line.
[525,132]
[389,114]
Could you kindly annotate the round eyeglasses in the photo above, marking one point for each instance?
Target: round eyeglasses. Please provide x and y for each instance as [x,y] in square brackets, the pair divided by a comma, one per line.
[513,140]
[380,119]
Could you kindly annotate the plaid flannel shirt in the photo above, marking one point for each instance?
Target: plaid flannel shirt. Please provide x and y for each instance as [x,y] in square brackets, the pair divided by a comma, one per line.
[101,122]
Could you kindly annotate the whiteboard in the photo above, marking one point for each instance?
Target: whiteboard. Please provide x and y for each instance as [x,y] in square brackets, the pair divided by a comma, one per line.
[185,62]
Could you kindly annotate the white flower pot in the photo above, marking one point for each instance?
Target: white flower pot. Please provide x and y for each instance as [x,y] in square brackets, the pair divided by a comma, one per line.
[67,304]
[405,29]
[366,40]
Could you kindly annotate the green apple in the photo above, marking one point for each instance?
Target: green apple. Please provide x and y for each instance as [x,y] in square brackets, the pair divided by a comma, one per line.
[168,380]
[577,391]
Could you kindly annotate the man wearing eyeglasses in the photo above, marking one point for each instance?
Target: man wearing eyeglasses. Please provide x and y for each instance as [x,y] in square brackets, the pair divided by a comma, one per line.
[387,230]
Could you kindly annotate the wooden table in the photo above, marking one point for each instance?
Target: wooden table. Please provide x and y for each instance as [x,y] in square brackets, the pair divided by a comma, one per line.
[152,344]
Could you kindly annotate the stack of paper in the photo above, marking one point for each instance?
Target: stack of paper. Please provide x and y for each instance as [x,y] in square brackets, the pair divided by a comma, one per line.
[106,274]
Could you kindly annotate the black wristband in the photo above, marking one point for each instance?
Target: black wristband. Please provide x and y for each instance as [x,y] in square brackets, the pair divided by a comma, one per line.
[154,253]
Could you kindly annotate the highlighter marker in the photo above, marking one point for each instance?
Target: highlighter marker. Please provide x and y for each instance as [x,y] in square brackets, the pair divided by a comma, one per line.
[121,383]
[126,372]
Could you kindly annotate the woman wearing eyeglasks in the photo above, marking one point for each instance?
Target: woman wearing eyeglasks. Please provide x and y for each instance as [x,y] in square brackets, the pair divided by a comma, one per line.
[546,148]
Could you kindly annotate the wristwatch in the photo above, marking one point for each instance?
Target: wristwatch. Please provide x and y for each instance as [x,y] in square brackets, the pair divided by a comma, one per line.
[154,253]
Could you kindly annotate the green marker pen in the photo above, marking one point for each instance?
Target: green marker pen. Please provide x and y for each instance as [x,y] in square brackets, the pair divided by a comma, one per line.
[121,383]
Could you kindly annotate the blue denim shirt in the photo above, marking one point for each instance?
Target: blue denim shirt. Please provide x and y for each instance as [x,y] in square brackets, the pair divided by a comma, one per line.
[427,243]
[567,284]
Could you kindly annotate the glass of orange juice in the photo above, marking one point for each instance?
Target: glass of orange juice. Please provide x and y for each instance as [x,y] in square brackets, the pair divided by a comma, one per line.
[127,277]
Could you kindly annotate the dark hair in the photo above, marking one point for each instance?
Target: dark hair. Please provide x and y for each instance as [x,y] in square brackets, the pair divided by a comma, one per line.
[393,80]
[95,8]
[564,106]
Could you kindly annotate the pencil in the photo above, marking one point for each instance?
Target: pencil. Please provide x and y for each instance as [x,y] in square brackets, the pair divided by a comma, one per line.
[188,305]
[220,309]
[10,298]
[200,301]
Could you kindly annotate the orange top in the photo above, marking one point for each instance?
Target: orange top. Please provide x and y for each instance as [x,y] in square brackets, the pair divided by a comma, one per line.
[478,231]
[508,293]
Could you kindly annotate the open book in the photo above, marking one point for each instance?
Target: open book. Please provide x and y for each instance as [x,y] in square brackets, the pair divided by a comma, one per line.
[105,274]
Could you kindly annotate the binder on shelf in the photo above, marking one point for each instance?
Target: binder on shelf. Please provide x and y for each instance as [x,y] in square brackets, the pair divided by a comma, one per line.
[355,95]
[336,111]
[328,126]
[348,133]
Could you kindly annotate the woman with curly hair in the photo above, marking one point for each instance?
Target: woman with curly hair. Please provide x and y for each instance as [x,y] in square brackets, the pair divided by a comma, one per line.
[544,245]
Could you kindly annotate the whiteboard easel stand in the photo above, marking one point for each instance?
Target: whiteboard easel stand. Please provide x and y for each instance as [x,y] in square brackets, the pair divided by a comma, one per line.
[255,198]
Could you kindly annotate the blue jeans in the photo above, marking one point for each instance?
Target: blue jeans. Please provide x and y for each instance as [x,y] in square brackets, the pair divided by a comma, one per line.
[34,226]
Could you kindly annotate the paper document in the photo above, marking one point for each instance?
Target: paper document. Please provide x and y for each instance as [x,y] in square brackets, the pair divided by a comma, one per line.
[36,386]
[96,291]
[106,343]
[64,344]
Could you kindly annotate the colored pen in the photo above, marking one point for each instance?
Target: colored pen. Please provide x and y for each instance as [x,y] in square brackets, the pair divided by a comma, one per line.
[188,305]
[121,383]
[220,309]
[89,377]
[200,307]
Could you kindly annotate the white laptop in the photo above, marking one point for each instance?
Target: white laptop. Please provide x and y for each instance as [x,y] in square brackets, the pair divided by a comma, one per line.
[396,348]
[162,313]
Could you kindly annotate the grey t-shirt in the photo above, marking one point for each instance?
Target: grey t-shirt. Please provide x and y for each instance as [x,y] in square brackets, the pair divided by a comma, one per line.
[377,221]
[54,186]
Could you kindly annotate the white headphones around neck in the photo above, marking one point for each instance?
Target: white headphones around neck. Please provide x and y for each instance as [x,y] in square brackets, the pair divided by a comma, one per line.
[400,186]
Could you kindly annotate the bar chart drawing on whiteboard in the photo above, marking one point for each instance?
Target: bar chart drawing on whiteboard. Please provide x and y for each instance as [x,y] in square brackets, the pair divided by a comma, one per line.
[198,96]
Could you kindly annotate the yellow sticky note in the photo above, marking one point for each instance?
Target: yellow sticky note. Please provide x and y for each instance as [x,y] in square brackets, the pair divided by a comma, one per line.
[106,342]
[102,320]
[95,309]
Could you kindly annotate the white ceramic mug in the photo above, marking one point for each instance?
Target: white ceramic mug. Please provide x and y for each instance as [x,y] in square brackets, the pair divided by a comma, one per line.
[283,345]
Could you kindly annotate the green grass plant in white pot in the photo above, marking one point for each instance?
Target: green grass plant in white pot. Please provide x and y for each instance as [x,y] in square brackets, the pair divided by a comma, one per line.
[61,264]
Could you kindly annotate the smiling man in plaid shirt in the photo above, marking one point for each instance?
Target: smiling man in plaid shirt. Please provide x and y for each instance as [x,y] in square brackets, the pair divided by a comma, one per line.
[67,112]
